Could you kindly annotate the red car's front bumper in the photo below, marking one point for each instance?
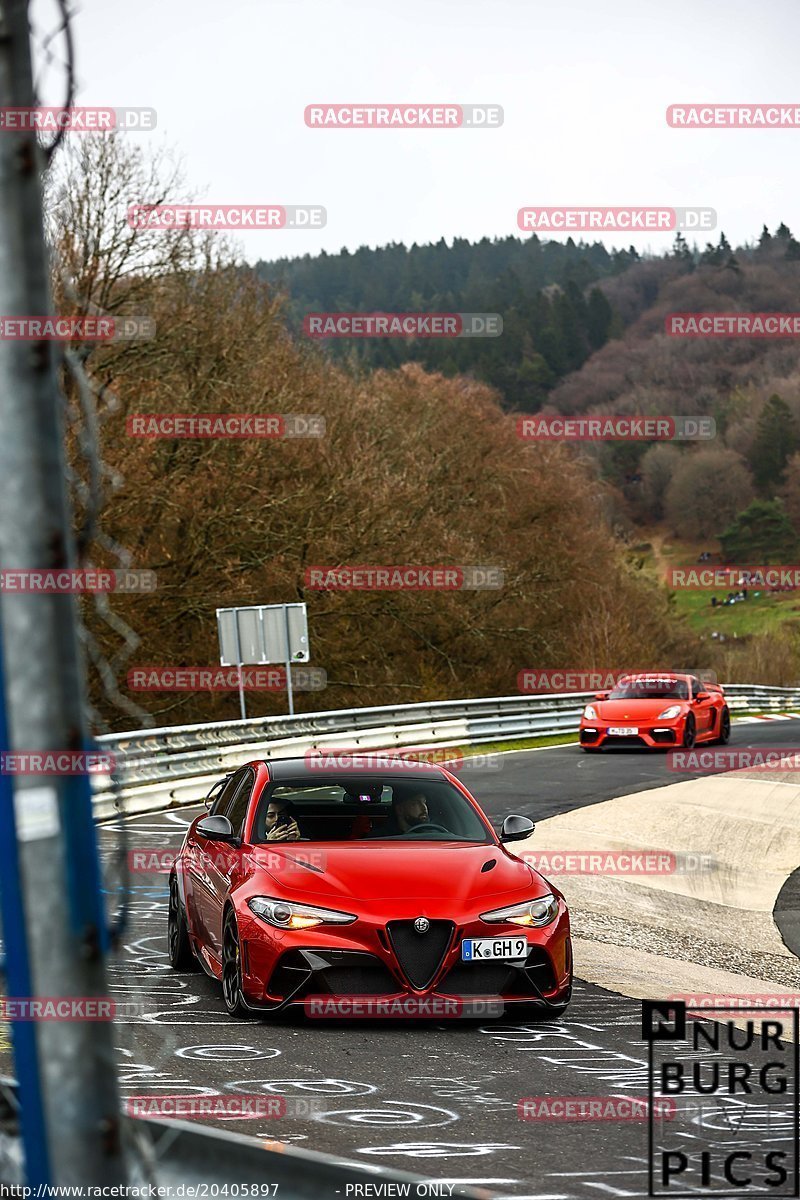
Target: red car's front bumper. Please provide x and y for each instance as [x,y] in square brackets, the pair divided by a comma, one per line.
[659,734]
[376,957]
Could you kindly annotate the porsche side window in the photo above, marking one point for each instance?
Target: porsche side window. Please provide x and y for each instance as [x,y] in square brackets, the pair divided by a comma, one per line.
[696,688]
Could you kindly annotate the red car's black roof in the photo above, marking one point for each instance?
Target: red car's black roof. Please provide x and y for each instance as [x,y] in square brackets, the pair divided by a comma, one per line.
[301,768]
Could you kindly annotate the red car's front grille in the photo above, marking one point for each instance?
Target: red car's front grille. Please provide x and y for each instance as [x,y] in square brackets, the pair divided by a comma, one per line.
[420,954]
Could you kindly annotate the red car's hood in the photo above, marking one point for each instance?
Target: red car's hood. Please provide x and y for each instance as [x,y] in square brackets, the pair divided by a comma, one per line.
[633,710]
[419,870]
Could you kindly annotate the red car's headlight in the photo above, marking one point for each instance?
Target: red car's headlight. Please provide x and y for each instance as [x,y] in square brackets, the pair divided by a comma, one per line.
[670,713]
[285,914]
[533,912]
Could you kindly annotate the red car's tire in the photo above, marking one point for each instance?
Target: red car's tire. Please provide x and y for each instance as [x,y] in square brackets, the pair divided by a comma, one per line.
[231,968]
[179,946]
[724,735]
[689,732]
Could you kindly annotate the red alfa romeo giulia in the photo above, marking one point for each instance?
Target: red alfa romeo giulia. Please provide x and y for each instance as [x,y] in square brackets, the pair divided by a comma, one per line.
[304,883]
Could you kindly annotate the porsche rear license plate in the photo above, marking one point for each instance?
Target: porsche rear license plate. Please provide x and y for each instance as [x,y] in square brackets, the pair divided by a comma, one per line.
[483,949]
[623,730]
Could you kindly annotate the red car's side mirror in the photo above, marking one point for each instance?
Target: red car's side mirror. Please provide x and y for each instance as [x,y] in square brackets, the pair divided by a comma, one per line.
[703,696]
[601,695]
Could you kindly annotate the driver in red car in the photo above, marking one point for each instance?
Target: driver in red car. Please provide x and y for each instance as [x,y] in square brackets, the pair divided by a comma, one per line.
[408,811]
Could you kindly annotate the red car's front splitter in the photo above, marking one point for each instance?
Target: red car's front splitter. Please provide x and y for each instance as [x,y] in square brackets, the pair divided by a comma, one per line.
[282,973]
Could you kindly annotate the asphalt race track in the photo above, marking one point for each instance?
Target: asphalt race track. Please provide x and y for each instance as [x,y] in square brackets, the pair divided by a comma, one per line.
[438,1099]
[543,783]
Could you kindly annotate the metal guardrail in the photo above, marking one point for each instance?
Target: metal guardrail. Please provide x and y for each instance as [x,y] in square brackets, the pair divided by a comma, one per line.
[175,765]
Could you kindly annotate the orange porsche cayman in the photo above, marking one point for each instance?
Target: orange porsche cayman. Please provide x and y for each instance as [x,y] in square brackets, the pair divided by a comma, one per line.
[656,710]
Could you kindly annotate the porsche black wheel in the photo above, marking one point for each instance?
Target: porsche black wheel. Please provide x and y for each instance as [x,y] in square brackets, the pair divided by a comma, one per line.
[689,732]
[724,728]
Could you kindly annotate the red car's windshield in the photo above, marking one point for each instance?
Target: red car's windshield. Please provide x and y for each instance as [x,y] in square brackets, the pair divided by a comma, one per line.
[386,810]
[652,689]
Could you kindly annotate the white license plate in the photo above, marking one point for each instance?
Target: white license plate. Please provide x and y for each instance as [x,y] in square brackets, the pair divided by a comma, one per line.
[622,730]
[490,949]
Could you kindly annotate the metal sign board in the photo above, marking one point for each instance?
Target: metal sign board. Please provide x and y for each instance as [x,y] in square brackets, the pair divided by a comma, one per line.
[263,633]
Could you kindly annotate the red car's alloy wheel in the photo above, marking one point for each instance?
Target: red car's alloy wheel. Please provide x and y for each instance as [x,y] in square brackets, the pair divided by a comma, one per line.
[231,968]
[181,956]
[724,727]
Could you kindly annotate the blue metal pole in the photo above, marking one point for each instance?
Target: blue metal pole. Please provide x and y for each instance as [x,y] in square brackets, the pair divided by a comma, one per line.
[18,975]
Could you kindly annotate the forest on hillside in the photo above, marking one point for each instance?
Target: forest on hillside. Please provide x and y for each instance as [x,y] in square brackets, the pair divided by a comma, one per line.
[584,333]
[554,317]
[744,485]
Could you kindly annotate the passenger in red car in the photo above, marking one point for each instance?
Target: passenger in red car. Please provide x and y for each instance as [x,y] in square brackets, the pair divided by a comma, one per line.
[281,823]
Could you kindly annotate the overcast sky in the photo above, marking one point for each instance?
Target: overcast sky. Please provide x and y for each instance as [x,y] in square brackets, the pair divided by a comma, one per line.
[584,87]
